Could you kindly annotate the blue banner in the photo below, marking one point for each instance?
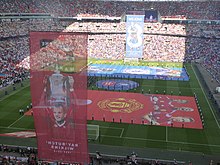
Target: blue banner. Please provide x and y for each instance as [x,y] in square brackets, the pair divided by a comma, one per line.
[134,36]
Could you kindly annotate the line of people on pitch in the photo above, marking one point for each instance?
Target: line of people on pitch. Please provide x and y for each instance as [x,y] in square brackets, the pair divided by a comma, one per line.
[22,111]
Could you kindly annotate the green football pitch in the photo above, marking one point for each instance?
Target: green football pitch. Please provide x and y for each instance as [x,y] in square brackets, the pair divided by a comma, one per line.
[131,135]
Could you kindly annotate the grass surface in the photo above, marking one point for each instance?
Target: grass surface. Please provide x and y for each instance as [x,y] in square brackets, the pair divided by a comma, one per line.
[119,134]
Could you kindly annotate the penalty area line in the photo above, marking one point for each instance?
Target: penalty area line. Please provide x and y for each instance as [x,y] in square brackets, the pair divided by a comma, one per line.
[122,133]
[166,135]
[122,129]
[15,121]
[163,141]
[16,128]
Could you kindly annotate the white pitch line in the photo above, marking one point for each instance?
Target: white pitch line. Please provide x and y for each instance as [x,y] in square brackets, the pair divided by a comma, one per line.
[169,87]
[175,142]
[111,127]
[122,132]
[153,140]
[166,135]
[122,129]
[14,92]
[17,128]
[15,121]
[206,98]
[199,144]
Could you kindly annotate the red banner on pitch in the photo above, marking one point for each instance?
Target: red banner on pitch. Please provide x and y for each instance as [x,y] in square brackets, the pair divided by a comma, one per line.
[59,94]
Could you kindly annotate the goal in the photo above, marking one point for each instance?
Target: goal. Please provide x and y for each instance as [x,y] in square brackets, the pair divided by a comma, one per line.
[93,131]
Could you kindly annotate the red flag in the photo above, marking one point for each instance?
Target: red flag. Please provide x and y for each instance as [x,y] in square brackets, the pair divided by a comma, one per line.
[58,83]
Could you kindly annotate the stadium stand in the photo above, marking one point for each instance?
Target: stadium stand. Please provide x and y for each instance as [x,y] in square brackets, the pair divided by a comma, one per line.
[200,43]
[193,9]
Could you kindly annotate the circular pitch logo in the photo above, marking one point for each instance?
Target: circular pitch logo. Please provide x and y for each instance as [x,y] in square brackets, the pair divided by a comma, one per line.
[117,84]
[122,105]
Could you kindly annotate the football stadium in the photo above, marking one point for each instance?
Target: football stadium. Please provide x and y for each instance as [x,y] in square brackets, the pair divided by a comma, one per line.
[110,82]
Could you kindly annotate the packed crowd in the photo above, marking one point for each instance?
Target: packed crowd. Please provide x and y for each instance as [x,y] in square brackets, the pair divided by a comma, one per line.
[156,47]
[13,28]
[179,43]
[120,27]
[192,9]
[162,47]
[16,27]
[206,52]
[162,42]
[13,51]
[18,155]
[205,31]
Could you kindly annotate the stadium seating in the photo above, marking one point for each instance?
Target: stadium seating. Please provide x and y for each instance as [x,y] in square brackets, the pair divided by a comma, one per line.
[199,43]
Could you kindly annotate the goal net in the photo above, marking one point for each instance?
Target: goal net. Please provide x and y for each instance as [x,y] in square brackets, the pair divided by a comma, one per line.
[93,131]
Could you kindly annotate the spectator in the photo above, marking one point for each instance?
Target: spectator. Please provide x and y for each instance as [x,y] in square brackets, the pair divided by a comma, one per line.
[99,157]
